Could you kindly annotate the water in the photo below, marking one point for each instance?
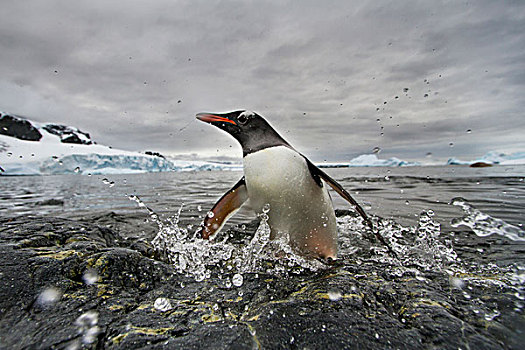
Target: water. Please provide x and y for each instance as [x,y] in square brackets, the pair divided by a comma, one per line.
[418,210]
[396,193]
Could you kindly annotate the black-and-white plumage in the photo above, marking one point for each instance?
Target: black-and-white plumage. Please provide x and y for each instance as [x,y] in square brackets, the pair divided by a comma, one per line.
[275,174]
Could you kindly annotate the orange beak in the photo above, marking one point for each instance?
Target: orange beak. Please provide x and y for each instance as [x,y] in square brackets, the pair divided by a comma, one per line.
[208,118]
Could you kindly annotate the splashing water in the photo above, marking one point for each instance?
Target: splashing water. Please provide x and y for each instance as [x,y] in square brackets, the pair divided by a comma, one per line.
[483,224]
[162,304]
[197,257]
[421,248]
[87,326]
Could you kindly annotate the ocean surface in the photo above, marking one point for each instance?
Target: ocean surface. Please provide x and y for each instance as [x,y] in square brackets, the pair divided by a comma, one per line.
[399,193]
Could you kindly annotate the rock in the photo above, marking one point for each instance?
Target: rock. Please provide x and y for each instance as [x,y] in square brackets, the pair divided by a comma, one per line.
[81,283]
[17,127]
[51,201]
[68,134]
[156,154]
[480,165]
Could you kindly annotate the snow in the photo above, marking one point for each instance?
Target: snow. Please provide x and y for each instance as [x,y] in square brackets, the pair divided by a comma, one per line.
[51,156]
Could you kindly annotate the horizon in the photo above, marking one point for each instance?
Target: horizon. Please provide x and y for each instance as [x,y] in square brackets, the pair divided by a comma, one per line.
[336,81]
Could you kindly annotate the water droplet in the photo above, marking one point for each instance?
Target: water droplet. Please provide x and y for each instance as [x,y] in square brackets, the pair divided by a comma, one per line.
[237,280]
[334,295]
[376,150]
[457,283]
[405,89]
[90,277]
[425,95]
[162,304]
[199,207]
[210,214]
[387,178]
[87,326]
[266,208]
[77,169]
[49,296]
[451,144]
[407,202]
[428,155]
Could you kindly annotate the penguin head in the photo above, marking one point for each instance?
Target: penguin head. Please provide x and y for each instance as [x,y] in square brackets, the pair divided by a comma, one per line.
[249,128]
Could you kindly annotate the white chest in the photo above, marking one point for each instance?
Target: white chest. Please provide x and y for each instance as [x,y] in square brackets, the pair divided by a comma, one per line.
[280,177]
[275,174]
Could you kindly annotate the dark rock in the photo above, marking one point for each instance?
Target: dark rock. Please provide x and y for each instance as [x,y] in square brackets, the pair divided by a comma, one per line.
[156,154]
[50,202]
[377,307]
[17,127]
[480,165]
[69,134]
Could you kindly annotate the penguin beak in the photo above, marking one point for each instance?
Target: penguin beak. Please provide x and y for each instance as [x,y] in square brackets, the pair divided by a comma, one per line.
[210,118]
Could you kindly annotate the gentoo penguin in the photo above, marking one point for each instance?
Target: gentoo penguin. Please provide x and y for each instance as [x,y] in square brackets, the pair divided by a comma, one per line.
[275,174]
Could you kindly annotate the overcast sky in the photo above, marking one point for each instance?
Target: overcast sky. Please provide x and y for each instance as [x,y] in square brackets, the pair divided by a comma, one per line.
[330,76]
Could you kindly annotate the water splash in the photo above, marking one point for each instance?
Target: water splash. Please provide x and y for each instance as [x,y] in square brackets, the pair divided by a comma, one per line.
[49,296]
[200,258]
[162,304]
[87,326]
[483,224]
[421,249]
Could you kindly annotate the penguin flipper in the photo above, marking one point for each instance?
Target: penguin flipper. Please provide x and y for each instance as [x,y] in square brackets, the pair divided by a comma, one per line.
[225,207]
[318,174]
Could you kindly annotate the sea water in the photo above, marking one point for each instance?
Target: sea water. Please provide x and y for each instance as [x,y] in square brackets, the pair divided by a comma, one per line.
[418,210]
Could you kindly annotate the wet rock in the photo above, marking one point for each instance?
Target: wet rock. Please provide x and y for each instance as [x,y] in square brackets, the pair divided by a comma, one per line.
[19,128]
[480,165]
[52,201]
[92,270]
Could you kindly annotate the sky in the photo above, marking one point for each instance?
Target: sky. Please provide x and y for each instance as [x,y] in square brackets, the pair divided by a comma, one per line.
[419,80]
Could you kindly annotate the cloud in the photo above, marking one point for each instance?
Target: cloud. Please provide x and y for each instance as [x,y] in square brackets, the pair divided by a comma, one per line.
[134,74]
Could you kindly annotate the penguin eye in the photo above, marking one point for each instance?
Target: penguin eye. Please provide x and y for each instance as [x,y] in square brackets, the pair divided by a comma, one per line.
[242,119]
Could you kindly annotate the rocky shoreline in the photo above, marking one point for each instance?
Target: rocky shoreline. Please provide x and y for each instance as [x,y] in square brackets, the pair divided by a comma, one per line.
[72,284]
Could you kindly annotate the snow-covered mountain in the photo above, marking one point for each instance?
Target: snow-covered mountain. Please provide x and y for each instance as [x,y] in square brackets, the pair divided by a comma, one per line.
[29,148]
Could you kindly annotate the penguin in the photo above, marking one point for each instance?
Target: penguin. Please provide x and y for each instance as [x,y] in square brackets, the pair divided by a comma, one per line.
[279,177]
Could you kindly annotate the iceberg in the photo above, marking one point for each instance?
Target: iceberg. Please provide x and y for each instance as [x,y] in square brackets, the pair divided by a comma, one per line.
[368,160]
[493,157]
